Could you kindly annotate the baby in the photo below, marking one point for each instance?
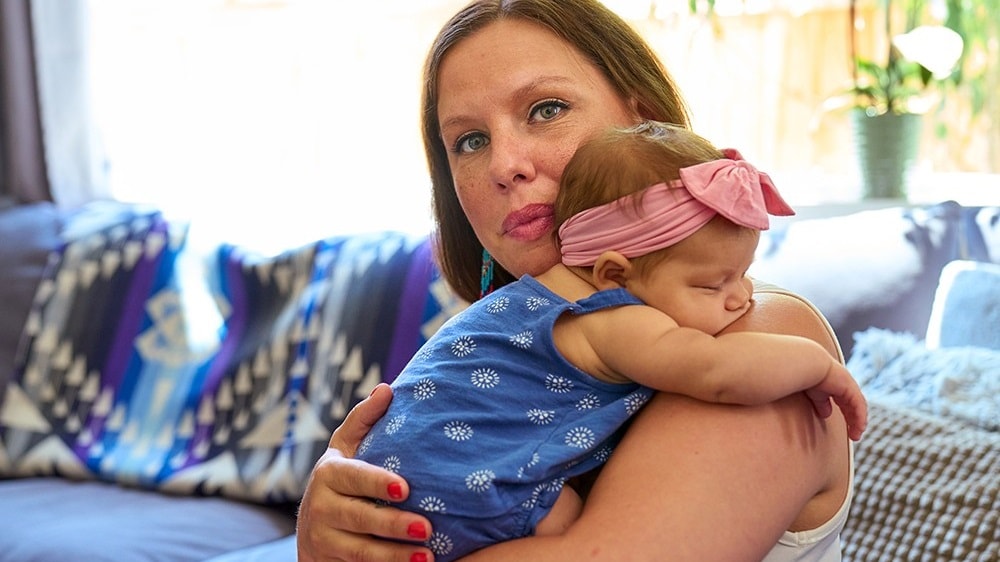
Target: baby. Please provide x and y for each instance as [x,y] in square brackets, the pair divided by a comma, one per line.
[531,384]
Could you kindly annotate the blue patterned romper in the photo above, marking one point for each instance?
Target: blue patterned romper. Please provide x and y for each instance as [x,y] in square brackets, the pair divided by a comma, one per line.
[488,420]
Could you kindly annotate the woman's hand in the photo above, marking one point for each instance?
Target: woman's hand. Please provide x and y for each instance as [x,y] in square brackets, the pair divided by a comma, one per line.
[337,516]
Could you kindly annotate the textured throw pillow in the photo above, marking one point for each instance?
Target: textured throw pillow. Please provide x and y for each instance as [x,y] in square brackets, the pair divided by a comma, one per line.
[960,382]
[966,308]
[926,488]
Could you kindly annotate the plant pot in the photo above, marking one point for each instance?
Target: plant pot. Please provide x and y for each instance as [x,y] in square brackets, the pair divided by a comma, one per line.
[886,148]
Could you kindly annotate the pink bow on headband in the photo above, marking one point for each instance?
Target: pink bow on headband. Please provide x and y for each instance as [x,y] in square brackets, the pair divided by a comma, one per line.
[735,189]
[670,212]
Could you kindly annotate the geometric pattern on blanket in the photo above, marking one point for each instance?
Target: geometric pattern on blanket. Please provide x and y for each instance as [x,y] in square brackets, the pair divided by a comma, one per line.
[77,367]
[926,488]
[305,341]
[298,339]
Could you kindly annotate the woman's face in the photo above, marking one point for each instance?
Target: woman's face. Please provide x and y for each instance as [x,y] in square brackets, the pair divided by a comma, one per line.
[515,101]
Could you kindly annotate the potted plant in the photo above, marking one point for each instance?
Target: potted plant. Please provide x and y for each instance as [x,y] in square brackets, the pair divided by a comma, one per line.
[888,97]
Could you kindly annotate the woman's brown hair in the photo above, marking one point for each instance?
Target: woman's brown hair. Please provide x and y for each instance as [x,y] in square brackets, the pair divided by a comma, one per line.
[602,37]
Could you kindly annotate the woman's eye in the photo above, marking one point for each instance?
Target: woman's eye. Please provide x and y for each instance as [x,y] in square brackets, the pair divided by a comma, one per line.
[547,110]
[469,143]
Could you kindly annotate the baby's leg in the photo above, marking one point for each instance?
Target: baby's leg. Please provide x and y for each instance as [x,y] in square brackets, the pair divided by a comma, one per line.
[563,513]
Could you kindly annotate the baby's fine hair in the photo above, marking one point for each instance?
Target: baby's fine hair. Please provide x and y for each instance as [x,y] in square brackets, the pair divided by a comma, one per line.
[623,161]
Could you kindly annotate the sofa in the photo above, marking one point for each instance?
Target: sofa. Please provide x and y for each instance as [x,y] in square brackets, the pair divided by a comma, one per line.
[166,401]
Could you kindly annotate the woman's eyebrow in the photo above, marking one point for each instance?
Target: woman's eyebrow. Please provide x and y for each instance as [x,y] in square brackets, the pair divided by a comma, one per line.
[527,90]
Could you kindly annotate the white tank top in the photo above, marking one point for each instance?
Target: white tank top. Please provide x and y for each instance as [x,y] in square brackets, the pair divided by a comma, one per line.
[821,544]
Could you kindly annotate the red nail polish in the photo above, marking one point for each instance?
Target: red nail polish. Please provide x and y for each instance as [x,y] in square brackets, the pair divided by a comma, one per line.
[417,531]
[418,557]
[396,491]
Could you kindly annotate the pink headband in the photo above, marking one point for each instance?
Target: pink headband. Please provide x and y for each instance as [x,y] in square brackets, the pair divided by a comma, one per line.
[731,187]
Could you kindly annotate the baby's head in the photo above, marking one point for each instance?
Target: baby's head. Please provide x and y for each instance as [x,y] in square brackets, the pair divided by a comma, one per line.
[623,162]
[658,195]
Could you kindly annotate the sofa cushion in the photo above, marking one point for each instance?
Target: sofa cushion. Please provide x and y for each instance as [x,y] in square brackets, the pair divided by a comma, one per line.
[54,520]
[281,550]
[966,309]
[307,334]
[875,268]
[926,488]
[29,233]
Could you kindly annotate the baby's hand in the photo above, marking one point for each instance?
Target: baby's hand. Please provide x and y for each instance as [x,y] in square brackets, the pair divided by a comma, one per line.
[844,390]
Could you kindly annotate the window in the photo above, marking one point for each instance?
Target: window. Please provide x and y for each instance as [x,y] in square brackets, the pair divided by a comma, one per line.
[267,123]
[276,122]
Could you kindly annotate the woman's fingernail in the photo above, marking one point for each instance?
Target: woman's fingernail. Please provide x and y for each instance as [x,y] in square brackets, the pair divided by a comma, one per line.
[396,491]
[417,531]
[418,557]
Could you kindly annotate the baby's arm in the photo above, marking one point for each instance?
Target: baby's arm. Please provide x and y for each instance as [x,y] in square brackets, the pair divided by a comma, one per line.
[749,368]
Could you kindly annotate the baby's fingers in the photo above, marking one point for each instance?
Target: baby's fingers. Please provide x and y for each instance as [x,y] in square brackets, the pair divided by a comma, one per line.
[855,410]
[821,402]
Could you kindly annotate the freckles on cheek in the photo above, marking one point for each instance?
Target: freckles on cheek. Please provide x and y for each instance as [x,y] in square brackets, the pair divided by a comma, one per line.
[561,155]
[562,158]
[463,178]
[471,201]
[470,186]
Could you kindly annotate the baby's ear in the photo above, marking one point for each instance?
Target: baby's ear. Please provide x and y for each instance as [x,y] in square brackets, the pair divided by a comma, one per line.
[611,270]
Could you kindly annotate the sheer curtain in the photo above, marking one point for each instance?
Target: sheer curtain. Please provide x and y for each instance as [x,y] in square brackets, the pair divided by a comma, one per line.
[76,162]
[273,123]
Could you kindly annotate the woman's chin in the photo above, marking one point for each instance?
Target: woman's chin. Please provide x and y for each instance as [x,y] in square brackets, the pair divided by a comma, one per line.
[533,259]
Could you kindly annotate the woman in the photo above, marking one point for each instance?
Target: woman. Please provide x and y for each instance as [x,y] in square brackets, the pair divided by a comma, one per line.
[510,93]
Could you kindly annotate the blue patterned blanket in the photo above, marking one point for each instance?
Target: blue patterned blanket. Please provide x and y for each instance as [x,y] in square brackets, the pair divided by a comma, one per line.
[143,367]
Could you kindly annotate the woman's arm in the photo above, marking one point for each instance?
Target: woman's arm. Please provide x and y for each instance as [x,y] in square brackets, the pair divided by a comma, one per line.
[692,480]
[699,481]
[336,520]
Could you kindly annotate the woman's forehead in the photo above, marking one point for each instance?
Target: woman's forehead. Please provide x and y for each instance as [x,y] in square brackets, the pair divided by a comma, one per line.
[506,58]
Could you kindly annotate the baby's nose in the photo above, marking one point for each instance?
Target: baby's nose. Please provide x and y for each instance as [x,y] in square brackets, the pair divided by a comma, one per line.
[739,298]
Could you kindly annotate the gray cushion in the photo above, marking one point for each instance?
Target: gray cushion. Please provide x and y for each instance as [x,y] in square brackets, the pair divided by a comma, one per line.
[966,308]
[875,268]
[27,234]
[49,519]
[281,550]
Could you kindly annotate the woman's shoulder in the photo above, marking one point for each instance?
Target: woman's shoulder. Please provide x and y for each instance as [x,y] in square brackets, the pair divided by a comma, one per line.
[780,311]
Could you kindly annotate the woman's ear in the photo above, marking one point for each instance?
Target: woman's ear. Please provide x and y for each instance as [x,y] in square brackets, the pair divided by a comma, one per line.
[611,270]
[637,109]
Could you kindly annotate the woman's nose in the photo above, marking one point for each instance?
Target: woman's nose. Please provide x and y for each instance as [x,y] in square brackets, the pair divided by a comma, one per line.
[510,161]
